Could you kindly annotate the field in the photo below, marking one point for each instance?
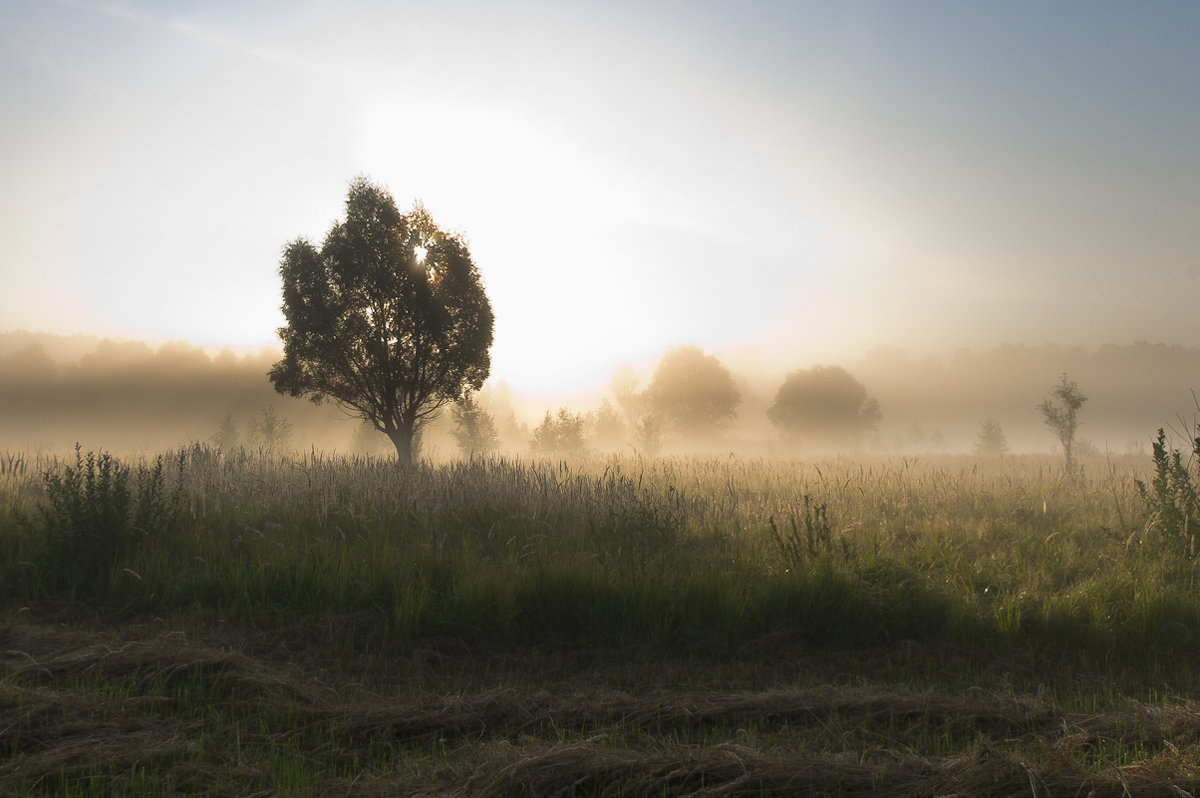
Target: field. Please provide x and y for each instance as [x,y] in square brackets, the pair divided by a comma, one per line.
[250,624]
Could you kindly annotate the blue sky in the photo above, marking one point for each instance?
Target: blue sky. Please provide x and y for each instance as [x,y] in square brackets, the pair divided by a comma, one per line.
[807,179]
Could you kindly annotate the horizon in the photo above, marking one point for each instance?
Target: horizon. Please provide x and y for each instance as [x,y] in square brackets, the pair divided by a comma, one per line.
[929,404]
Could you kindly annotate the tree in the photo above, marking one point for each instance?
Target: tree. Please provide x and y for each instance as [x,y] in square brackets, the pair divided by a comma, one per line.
[226,437]
[388,319]
[474,428]
[825,406]
[608,428]
[560,434]
[1061,410]
[647,437]
[992,442]
[273,430]
[624,390]
[692,393]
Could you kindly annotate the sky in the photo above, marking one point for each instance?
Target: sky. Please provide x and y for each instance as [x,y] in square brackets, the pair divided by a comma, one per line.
[801,179]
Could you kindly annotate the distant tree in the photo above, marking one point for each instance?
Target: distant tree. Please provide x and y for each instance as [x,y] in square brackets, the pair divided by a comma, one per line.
[559,435]
[1061,410]
[608,428]
[992,442]
[272,430]
[624,390]
[647,437]
[227,436]
[692,393]
[825,406]
[388,318]
[474,428]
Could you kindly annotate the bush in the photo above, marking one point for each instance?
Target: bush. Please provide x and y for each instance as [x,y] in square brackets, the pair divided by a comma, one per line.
[1172,497]
[94,516]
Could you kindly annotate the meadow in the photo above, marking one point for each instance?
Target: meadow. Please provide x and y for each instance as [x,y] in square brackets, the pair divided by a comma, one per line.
[248,623]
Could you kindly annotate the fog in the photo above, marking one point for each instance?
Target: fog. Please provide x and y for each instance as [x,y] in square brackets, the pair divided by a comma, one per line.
[56,391]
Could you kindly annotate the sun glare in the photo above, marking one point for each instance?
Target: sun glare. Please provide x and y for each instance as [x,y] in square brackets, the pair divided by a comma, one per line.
[420,252]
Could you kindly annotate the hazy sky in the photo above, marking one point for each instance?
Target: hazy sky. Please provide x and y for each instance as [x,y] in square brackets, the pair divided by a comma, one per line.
[809,178]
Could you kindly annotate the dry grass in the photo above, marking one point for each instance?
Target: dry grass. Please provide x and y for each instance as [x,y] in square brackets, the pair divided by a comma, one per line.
[91,709]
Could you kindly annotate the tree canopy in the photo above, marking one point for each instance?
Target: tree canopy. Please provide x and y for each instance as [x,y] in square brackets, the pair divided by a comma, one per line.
[692,393]
[389,318]
[824,406]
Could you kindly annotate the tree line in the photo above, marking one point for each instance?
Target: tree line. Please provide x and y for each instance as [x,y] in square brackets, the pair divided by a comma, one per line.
[388,322]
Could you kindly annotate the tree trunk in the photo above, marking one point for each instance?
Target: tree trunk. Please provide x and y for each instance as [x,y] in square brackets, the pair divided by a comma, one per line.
[402,439]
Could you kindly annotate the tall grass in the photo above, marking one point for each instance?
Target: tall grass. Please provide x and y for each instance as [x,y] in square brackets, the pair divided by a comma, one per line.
[708,551]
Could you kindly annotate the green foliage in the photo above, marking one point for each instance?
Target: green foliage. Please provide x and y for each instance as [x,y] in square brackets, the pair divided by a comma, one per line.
[389,318]
[95,514]
[718,550]
[1173,496]
[797,548]
[825,406]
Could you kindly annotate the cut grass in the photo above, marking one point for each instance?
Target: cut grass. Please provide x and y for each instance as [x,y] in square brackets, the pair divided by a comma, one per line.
[143,710]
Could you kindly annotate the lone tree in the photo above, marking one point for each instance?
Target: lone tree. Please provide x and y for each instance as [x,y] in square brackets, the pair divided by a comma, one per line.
[692,393]
[388,318]
[1061,410]
[824,405]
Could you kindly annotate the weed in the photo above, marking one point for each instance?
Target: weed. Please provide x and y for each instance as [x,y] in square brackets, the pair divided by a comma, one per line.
[96,513]
[796,548]
[1172,499]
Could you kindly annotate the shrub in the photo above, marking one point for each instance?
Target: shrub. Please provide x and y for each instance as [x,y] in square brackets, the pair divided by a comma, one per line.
[1172,497]
[95,514]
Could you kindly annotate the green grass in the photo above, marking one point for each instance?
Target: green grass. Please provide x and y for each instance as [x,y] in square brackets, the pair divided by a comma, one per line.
[313,624]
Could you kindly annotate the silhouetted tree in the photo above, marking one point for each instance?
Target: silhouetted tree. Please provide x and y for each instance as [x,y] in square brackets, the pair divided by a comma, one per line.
[388,319]
[992,442]
[824,405]
[1061,410]
[560,434]
[474,428]
[692,393]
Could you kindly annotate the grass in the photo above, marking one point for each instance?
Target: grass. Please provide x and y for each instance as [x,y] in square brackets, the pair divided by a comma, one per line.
[255,624]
